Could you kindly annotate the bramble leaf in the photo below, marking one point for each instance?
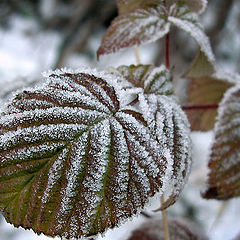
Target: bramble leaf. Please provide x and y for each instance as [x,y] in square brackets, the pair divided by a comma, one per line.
[169,124]
[207,91]
[134,28]
[143,22]
[75,160]
[151,79]
[224,164]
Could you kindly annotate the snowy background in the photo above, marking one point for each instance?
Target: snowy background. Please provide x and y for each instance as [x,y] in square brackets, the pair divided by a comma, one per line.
[27,49]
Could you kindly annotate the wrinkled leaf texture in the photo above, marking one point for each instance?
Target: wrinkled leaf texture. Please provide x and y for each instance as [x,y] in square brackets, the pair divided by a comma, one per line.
[75,161]
[145,22]
[224,164]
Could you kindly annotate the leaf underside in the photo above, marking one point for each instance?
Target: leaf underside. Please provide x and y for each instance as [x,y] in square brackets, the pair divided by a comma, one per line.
[204,91]
[73,162]
[224,164]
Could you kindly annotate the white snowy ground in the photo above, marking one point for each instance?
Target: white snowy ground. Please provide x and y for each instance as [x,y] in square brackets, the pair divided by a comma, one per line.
[25,52]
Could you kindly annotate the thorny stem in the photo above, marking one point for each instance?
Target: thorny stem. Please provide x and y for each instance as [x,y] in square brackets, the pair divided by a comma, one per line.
[165,221]
[137,55]
[200,107]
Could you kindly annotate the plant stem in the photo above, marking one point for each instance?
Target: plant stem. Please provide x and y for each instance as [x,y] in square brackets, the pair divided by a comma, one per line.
[167,51]
[137,55]
[200,107]
[165,221]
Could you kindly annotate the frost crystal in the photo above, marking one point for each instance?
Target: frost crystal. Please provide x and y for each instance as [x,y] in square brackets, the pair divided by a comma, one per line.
[75,159]
[224,161]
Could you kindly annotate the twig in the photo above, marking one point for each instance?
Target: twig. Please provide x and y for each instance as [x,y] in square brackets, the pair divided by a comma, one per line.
[167,51]
[165,221]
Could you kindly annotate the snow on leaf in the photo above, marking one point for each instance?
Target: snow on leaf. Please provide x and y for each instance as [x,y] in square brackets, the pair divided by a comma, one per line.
[198,6]
[152,79]
[142,22]
[134,28]
[224,164]
[178,229]
[190,24]
[207,91]
[73,161]
[170,126]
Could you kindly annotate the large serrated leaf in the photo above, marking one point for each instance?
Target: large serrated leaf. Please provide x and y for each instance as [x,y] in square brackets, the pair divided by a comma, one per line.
[224,164]
[206,92]
[151,79]
[170,126]
[74,161]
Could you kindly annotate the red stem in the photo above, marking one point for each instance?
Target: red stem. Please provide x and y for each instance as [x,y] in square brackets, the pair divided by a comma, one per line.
[200,107]
[167,51]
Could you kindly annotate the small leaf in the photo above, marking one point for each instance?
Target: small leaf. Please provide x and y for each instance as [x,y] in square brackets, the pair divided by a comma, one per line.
[178,229]
[207,91]
[152,79]
[200,67]
[196,5]
[134,28]
[74,161]
[169,124]
[224,164]
[143,22]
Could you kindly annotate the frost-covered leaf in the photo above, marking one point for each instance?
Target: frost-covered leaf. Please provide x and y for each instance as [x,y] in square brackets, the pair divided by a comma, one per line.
[148,21]
[196,5]
[169,124]
[134,28]
[152,79]
[224,164]
[207,91]
[178,229]
[200,67]
[190,24]
[74,161]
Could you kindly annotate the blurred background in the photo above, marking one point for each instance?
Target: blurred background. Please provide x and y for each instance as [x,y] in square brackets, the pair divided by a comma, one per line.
[39,35]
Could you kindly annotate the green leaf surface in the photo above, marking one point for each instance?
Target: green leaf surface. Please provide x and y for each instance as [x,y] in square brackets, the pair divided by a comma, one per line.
[224,164]
[75,160]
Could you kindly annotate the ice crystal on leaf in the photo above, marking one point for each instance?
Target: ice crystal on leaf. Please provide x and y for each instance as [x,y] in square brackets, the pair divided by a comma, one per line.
[148,21]
[151,79]
[169,124]
[224,164]
[75,160]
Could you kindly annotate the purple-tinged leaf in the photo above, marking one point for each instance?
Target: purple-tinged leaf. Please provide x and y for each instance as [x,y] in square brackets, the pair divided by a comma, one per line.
[74,161]
[134,28]
[224,164]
